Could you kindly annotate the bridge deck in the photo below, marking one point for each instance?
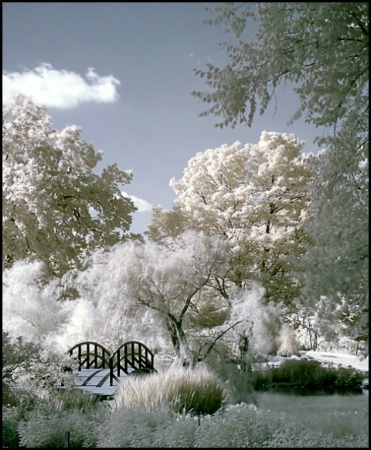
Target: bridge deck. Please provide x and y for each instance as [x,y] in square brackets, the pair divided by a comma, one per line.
[96,381]
[100,370]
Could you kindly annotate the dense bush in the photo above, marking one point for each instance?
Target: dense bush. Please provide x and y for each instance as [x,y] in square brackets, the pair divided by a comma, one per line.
[17,403]
[240,426]
[134,427]
[307,374]
[9,430]
[47,429]
[71,411]
[16,354]
[74,400]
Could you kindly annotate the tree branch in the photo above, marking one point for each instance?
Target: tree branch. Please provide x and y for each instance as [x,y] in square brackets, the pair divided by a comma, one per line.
[216,339]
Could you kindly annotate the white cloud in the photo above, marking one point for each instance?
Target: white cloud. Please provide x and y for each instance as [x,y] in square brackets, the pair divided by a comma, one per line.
[60,89]
[142,205]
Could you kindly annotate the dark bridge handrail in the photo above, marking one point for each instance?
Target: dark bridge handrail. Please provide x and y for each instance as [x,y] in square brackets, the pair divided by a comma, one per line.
[132,354]
[92,355]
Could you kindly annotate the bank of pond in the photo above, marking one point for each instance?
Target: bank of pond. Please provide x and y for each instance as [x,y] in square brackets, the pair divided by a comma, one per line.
[308,377]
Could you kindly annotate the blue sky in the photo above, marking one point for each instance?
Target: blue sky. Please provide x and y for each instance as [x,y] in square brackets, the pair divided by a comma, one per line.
[124,73]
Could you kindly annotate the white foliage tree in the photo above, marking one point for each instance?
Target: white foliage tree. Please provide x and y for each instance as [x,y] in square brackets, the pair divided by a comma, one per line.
[253,197]
[30,305]
[260,322]
[32,309]
[55,208]
[33,318]
[102,312]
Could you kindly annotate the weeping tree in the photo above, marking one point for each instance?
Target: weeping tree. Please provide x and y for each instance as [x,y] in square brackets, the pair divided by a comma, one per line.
[180,284]
[175,289]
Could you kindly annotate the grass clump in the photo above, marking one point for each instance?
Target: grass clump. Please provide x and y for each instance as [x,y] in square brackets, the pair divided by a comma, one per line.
[180,390]
[74,400]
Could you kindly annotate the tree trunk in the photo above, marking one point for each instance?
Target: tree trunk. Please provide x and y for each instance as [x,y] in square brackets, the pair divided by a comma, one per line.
[184,353]
[171,327]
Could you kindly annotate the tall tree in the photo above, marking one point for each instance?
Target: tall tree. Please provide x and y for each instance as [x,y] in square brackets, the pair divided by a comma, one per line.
[338,260]
[255,198]
[55,207]
[321,50]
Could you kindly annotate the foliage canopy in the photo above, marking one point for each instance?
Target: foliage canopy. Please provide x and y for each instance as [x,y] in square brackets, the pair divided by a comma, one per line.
[55,207]
[321,48]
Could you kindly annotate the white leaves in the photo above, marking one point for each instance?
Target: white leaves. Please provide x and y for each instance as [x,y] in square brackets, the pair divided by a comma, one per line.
[54,205]
[252,196]
[129,290]
[322,49]
[30,305]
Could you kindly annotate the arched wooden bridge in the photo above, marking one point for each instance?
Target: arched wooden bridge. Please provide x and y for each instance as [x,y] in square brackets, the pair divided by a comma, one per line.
[99,370]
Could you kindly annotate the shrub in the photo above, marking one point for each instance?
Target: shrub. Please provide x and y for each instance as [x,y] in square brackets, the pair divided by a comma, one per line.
[71,411]
[243,426]
[348,378]
[238,382]
[238,426]
[197,391]
[9,435]
[303,373]
[47,429]
[134,427]
[17,355]
[17,403]
[308,375]
[74,400]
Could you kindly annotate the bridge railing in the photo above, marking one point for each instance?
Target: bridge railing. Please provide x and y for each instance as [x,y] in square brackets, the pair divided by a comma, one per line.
[131,355]
[90,355]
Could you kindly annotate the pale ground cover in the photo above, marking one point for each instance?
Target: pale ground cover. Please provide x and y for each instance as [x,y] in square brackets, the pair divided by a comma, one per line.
[326,358]
[340,359]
